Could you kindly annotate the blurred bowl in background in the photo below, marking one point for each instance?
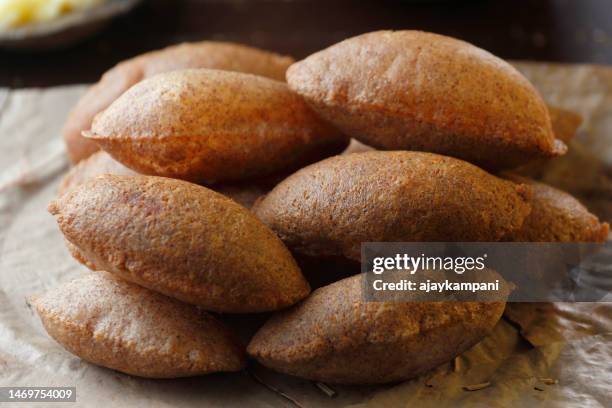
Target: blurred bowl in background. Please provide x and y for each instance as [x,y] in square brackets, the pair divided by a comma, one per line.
[65,30]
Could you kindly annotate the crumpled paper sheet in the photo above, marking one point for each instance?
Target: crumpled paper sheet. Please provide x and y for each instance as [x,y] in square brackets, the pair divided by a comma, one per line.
[571,343]
[545,323]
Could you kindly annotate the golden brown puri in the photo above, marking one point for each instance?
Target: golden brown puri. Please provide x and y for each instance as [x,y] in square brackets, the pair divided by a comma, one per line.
[179,239]
[565,123]
[331,207]
[119,325]
[411,90]
[335,336]
[205,54]
[556,216]
[213,126]
[101,162]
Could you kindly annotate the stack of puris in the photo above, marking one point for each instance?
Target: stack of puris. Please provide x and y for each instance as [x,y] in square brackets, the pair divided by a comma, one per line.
[438,117]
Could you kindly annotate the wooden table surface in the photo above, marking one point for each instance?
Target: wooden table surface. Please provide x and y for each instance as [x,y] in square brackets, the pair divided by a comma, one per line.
[545,30]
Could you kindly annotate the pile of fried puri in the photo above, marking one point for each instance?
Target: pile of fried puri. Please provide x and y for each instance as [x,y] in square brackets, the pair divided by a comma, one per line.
[193,136]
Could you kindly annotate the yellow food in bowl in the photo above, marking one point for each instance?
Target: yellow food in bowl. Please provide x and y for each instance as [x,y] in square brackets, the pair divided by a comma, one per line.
[17,13]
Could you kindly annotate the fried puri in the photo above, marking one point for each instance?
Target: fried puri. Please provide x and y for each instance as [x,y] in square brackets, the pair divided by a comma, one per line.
[205,54]
[331,207]
[565,124]
[179,239]
[412,90]
[119,325]
[212,126]
[556,216]
[335,336]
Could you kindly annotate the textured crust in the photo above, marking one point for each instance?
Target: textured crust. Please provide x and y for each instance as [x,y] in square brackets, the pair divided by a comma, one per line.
[210,126]
[331,207]
[182,240]
[334,336]
[410,90]
[565,124]
[556,216]
[119,325]
[216,55]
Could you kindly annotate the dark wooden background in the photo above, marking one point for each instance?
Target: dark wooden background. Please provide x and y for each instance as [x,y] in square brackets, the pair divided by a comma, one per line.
[546,30]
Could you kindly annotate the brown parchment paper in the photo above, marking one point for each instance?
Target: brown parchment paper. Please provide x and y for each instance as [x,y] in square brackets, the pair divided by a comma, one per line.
[533,344]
